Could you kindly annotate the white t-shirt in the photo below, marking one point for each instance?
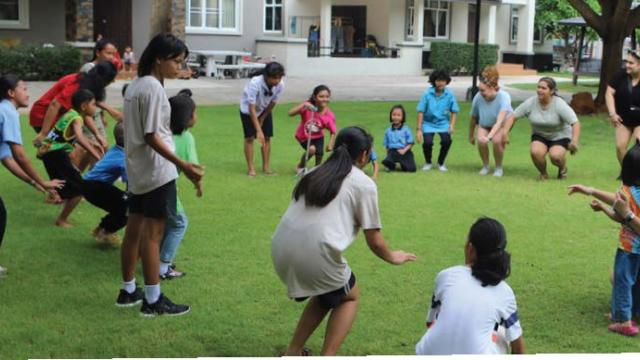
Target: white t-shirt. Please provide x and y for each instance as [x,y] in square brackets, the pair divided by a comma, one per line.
[465,314]
[147,110]
[307,246]
[257,92]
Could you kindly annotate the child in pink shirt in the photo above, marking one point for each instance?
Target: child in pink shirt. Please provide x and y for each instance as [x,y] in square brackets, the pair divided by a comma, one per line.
[315,116]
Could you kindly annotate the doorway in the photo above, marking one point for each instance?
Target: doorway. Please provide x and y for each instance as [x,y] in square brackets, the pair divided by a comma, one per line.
[112,20]
[348,30]
[471,24]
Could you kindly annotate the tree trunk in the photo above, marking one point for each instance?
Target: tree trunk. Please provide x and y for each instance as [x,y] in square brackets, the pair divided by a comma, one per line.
[611,61]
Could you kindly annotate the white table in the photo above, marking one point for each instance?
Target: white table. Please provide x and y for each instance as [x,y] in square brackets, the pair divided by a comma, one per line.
[237,66]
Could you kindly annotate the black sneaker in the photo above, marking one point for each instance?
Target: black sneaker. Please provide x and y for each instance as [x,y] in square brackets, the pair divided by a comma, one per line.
[126,299]
[163,306]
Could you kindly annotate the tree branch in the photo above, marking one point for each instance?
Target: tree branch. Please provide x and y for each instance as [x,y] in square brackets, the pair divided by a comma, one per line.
[634,20]
[590,17]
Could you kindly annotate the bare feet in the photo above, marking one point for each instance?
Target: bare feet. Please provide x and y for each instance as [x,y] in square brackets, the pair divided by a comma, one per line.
[269,172]
[63,224]
[251,173]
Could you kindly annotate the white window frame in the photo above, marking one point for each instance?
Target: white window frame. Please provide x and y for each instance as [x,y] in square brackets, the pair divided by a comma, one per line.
[264,16]
[513,14]
[447,17]
[213,30]
[410,20]
[23,17]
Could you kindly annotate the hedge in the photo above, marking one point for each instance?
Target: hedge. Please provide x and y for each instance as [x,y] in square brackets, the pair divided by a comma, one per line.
[458,57]
[30,62]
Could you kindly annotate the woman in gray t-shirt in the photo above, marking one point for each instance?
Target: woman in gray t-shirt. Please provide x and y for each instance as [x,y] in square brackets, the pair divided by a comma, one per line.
[554,125]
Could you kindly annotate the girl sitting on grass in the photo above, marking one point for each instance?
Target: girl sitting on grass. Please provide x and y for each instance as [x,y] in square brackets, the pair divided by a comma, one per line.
[398,141]
[625,209]
[473,311]
[315,116]
[329,205]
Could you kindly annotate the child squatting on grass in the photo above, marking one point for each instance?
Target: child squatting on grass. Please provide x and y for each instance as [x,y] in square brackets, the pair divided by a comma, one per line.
[473,310]
[398,141]
[315,116]
[329,205]
[56,147]
[625,209]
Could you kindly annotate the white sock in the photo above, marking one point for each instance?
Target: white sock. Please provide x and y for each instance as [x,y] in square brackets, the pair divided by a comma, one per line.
[164,267]
[129,286]
[152,293]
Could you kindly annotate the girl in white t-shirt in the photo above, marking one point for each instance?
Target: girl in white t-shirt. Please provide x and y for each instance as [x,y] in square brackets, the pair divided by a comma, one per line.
[473,311]
[330,204]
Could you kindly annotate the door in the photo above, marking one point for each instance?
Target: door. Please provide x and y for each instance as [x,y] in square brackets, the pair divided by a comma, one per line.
[112,20]
[356,18]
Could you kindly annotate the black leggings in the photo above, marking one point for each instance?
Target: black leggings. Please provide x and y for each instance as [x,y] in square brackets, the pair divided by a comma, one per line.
[427,146]
[3,220]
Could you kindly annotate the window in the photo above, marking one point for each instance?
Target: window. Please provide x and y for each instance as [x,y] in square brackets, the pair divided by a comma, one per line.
[410,20]
[538,35]
[213,16]
[14,14]
[436,18]
[513,32]
[273,15]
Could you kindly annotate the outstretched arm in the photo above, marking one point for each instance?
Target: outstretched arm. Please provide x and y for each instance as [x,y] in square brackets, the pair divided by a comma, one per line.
[379,247]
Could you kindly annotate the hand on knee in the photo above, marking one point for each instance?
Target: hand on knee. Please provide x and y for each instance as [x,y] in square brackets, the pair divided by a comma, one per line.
[312,150]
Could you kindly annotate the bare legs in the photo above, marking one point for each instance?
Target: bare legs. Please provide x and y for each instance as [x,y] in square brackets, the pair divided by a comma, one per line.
[248,155]
[340,322]
[557,155]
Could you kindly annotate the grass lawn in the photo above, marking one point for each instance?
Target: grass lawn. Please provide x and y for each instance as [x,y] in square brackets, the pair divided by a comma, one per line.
[564,74]
[58,299]
[584,85]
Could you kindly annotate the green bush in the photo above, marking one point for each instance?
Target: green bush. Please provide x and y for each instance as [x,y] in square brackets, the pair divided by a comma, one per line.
[30,62]
[458,57]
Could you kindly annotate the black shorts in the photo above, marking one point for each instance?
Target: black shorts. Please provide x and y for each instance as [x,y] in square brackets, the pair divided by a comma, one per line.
[333,298]
[156,203]
[37,129]
[549,143]
[318,143]
[250,131]
[59,166]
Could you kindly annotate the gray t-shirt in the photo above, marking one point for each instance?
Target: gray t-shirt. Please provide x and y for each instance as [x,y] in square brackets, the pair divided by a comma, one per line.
[307,246]
[147,110]
[552,123]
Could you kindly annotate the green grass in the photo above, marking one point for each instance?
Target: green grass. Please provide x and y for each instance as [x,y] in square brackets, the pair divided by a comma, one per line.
[588,85]
[58,300]
[564,74]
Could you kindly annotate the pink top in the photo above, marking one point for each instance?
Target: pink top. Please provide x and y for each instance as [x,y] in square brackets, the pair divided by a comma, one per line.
[322,121]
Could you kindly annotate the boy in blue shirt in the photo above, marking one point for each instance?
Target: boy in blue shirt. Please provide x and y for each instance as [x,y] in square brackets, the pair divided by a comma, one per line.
[437,111]
[398,141]
[100,191]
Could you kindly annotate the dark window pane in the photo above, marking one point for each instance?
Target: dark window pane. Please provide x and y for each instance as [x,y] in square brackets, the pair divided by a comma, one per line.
[278,14]
[268,19]
[429,23]
[10,10]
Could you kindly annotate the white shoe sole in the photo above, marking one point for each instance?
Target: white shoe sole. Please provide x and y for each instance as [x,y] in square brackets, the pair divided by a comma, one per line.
[129,305]
[165,314]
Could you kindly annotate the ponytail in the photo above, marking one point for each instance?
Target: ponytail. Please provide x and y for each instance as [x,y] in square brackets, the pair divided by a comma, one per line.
[322,185]
[493,262]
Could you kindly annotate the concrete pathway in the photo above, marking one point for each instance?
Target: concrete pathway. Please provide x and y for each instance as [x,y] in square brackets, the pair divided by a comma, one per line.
[209,91]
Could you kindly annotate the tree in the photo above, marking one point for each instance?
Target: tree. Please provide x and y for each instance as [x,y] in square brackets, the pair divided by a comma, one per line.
[615,22]
[548,13]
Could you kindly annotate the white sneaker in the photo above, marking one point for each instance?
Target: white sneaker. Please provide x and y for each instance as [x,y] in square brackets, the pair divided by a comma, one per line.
[442,168]
[427,167]
[484,171]
[498,172]
[3,271]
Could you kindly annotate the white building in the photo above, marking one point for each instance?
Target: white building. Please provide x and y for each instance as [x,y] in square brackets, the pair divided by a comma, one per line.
[404,29]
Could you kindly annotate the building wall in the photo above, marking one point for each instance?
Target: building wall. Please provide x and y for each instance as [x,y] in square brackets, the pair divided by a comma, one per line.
[459,22]
[250,28]
[46,24]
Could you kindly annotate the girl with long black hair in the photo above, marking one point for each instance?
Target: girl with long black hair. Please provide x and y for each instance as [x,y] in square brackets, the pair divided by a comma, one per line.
[330,204]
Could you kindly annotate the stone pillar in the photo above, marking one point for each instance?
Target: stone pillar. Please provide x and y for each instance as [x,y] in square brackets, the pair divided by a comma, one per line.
[178,16]
[418,24]
[160,16]
[325,28]
[526,16]
[79,20]
[491,19]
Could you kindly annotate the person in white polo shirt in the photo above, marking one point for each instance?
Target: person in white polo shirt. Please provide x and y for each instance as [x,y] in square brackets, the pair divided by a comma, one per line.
[330,205]
[473,311]
[259,97]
